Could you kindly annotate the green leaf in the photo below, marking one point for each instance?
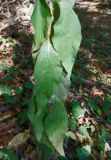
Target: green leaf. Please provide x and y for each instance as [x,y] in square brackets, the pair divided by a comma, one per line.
[4,66]
[11,100]
[2,155]
[12,154]
[67,35]
[47,151]
[18,90]
[106,109]
[72,124]
[94,107]
[47,75]
[77,111]
[40,21]
[103,136]
[13,70]
[56,125]
[8,154]
[26,101]
[75,79]
[28,85]
[23,118]
[84,152]
[71,3]
[84,131]
[37,121]
[5,90]
[71,135]
[104,133]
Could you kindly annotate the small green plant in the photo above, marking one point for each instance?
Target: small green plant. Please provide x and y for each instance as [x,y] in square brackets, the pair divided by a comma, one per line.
[56,42]
[8,154]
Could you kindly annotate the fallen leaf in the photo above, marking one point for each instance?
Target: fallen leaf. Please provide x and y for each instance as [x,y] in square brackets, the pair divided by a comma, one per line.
[97,92]
[19,139]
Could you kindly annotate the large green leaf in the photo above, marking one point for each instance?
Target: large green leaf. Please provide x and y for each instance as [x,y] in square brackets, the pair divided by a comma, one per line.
[56,125]
[71,2]
[48,74]
[67,35]
[40,20]
[48,78]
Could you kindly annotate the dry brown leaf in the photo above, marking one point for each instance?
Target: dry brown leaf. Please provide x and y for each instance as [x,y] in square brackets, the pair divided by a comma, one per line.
[19,139]
[11,123]
[6,115]
[97,92]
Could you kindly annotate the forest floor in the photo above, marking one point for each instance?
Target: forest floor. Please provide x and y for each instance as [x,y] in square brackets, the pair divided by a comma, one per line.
[89,100]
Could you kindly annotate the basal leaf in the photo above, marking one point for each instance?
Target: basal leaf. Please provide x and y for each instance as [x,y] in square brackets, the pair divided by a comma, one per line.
[56,125]
[36,120]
